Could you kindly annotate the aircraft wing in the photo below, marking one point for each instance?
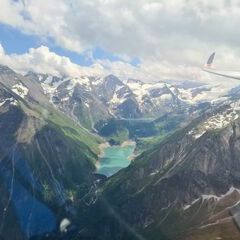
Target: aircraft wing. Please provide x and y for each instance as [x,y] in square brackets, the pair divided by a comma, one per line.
[208,68]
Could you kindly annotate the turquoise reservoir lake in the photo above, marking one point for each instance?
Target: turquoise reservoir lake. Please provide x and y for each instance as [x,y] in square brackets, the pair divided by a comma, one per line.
[115,158]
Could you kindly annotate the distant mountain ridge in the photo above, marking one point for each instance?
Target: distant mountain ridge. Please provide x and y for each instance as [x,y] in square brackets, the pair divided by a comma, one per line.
[90,99]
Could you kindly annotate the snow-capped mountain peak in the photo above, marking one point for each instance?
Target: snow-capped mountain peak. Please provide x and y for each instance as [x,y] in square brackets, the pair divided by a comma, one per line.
[130,98]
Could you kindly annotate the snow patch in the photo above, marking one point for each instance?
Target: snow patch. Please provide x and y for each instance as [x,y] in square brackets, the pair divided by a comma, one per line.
[217,121]
[11,100]
[205,197]
[166,97]
[20,90]
[97,81]
[154,173]
[65,99]
[115,100]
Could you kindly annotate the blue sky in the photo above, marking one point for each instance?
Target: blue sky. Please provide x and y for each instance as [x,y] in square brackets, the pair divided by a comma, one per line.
[16,42]
[147,39]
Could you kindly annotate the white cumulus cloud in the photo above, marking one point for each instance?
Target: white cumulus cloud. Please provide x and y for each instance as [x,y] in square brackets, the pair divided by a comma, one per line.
[177,31]
[42,60]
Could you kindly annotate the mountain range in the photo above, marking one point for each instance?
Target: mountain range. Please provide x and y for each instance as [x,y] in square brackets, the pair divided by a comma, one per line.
[183,184]
[184,187]
[91,99]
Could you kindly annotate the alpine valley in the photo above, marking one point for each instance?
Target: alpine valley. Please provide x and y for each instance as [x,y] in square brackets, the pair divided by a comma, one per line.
[183,180]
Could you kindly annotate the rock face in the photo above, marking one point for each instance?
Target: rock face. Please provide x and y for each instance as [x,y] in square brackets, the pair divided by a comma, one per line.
[186,187]
[45,158]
